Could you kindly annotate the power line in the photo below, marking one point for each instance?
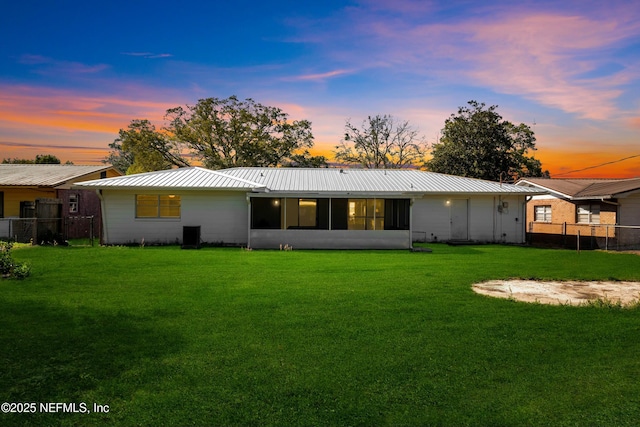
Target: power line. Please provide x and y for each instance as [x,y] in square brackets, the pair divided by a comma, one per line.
[597,166]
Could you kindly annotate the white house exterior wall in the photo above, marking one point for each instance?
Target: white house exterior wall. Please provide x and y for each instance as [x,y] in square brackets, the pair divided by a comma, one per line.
[510,224]
[222,216]
[490,218]
[630,210]
[430,219]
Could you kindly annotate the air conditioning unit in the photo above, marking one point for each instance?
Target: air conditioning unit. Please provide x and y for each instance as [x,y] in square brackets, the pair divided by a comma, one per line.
[191,237]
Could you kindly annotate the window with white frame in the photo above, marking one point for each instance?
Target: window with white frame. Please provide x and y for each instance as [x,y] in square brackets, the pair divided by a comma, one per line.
[588,214]
[157,206]
[73,203]
[542,213]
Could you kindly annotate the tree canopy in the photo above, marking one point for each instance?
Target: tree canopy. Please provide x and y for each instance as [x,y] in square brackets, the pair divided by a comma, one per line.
[382,142]
[220,133]
[478,143]
[143,149]
[41,159]
[226,133]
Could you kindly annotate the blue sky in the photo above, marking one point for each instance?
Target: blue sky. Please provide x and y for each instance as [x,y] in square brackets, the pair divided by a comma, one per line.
[73,73]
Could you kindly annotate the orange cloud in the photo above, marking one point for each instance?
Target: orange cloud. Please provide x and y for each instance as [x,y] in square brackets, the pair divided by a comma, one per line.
[634,122]
[67,123]
[72,111]
[563,163]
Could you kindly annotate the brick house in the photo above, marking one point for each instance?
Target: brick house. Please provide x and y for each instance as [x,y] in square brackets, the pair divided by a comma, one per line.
[596,209]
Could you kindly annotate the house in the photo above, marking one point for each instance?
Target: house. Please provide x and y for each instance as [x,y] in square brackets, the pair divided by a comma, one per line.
[44,191]
[605,211]
[307,208]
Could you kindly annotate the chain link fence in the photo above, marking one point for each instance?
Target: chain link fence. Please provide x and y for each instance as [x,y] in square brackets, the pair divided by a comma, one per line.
[584,236]
[80,230]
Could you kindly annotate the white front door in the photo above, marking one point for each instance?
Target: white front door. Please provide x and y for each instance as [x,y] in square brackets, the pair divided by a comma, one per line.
[459,219]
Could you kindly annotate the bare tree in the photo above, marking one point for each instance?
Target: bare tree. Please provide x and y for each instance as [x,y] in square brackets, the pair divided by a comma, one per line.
[381,143]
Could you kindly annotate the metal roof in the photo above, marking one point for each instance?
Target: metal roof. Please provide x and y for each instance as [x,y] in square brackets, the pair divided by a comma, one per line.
[44,175]
[187,178]
[585,188]
[315,180]
[334,180]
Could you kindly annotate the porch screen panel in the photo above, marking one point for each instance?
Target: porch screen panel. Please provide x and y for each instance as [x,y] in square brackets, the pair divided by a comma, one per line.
[357,214]
[375,214]
[307,213]
[323,214]
[396,214]
[265,213]
[339,214]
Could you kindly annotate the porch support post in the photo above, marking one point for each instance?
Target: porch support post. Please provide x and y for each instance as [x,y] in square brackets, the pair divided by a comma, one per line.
[411,223]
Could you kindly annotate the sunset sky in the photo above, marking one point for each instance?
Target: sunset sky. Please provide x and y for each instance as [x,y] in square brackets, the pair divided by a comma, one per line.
[72,73]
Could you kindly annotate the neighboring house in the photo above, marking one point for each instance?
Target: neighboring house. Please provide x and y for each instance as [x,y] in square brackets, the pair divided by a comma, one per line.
[308,208]
[44,191]
[600,209]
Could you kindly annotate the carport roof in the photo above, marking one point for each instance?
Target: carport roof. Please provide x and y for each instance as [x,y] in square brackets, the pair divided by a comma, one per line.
[44,175]
[310,180]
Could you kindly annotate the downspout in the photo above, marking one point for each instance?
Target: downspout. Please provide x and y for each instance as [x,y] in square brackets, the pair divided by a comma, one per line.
[248,222]
[104,238]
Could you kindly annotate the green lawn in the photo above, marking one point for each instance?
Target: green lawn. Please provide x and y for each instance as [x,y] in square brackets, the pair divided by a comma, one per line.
[165,336]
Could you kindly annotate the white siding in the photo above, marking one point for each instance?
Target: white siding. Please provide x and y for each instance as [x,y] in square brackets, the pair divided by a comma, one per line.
[430,217]
[221,215]
[489,218]
[510,219]
[630,210]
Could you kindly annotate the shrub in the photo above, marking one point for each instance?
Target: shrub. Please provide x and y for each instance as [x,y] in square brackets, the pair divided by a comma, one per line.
[10,268]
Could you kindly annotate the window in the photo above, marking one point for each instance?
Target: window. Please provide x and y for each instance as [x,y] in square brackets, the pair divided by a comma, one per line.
[157,206]
[73,203]
[542,213]
[366,214]
[588,214]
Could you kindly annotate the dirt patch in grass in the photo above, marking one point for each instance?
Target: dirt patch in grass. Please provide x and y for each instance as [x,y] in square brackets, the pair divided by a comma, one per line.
[562,292]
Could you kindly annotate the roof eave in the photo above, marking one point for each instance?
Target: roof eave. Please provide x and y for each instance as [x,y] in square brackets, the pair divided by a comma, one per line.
[594,197]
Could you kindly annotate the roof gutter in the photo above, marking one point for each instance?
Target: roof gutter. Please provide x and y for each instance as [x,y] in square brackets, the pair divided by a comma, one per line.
[609,202]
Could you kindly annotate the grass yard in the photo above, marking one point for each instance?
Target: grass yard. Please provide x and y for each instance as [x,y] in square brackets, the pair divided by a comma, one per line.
[216,336]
